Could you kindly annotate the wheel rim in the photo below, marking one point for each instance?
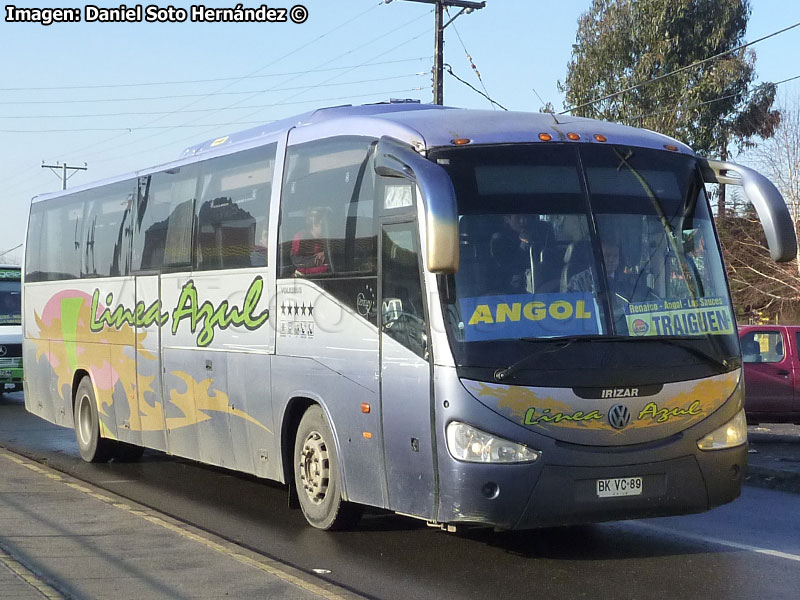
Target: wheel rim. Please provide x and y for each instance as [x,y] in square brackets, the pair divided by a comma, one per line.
[315,467]
[85,420]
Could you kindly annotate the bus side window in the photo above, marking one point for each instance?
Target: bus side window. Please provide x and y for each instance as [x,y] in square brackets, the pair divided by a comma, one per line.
[163,232]
[332,179]
[56,248]
[232,213]
[107,230]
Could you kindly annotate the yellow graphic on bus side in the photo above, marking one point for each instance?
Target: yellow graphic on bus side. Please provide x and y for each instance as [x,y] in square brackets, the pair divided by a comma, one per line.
[198,400]
[111,361]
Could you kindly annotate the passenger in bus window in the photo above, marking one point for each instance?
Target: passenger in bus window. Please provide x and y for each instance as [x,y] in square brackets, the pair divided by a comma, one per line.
[509,250]
[697,266]
[308,247]
[621,284]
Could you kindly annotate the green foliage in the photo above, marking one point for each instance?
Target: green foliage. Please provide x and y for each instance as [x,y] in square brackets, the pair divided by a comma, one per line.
[622,43]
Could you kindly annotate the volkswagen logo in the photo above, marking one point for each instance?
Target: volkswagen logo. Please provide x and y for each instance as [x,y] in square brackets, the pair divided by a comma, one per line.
[619,416]
[3,350]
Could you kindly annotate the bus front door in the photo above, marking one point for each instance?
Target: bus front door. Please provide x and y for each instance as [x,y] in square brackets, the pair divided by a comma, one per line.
[405,375]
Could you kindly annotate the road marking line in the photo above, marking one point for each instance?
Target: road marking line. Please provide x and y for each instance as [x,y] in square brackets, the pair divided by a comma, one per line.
[264,564]
[713,540]
[28,576]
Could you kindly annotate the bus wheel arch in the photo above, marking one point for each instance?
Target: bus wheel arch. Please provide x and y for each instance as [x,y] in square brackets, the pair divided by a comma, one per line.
[77,377]
[316,477]
[86,418]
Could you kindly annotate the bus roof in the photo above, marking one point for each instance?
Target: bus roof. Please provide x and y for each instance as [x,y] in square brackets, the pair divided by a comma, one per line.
[439,125]
[425,126]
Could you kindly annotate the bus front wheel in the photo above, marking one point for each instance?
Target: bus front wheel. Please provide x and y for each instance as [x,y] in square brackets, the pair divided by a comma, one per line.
[316,475]
[93,448]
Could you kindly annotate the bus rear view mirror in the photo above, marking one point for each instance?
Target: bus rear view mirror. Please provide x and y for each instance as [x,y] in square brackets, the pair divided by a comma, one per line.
[767,200]
[397,159]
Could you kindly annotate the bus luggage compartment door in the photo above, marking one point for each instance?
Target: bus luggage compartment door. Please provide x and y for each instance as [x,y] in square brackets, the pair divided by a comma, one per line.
[149,390]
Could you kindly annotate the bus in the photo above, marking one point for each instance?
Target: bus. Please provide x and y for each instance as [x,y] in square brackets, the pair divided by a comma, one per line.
[10,329]
[467,317]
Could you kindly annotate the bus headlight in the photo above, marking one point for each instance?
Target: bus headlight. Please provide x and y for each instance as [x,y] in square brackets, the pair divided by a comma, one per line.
[473,445]
[730,435]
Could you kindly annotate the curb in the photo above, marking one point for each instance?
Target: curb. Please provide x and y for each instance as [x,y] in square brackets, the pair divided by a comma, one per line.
[300,583]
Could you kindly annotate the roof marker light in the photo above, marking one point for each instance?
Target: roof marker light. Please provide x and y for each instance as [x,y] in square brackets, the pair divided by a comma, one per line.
[672,147]
[573,136]
[600,138]
[460,141]
[545,137]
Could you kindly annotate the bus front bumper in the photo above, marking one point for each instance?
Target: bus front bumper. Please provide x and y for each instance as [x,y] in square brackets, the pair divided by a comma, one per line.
[569,495]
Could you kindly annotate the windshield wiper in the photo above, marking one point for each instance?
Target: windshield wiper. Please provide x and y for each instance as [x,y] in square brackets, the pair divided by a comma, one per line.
[669,231]
[563,342]
[566,341]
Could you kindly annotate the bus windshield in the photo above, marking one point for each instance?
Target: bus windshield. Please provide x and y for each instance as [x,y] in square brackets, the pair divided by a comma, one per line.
[565,241]
[10,306]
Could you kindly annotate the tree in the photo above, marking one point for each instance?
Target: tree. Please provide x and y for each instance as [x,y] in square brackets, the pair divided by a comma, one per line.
[758,284]
[623,43]
[779,158]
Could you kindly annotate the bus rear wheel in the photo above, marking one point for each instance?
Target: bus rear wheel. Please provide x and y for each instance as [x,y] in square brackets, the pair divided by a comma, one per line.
[93,448]
[316,475]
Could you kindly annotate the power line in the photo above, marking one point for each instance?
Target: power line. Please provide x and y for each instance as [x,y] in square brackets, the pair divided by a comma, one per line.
[190,81]
[466,6]
[209,94]
[705,102]
[252,74]
[301,47]
[198,110]
[187,125]
[471,62]
[210,127]
[393,48]
[450,71]
[679,70]
[4,252]
[371,60]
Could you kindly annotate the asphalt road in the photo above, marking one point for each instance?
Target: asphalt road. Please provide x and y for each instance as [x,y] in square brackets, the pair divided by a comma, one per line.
[747,549]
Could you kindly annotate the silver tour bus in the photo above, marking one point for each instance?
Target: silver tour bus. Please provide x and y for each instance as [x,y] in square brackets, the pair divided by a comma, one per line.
[468,317]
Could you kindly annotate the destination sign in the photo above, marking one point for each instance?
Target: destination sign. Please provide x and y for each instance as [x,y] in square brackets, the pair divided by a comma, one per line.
[684,316]
[529,315]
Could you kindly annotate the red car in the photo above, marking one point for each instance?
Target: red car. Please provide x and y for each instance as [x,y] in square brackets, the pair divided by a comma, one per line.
[771,373]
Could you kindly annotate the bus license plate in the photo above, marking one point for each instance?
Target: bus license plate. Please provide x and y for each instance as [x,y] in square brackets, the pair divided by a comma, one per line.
[621,486]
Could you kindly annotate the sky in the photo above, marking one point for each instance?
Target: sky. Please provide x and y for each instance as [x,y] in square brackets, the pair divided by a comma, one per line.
[125,96]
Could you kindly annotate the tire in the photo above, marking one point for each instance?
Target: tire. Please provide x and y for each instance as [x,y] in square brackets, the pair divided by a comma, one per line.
[317,476]
[92,447]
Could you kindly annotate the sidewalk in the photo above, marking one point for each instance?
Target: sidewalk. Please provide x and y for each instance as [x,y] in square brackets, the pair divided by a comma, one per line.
[774,457]
[63,538]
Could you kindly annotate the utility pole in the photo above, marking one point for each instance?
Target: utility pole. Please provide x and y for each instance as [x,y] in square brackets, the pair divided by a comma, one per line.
[64,169]
[438,50]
